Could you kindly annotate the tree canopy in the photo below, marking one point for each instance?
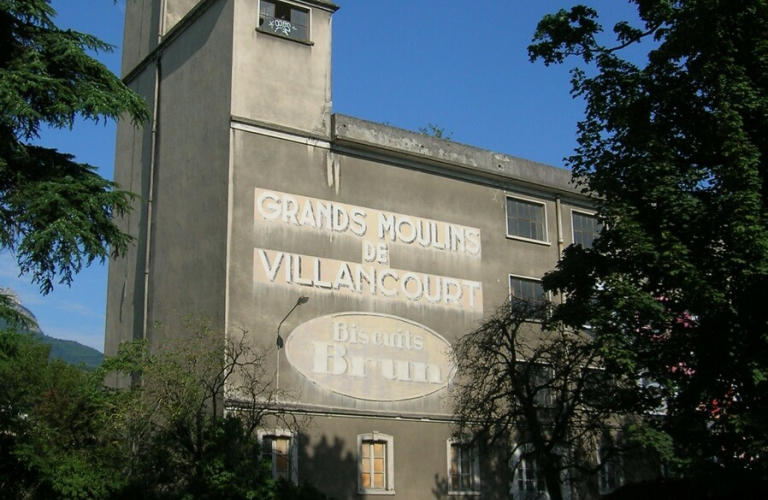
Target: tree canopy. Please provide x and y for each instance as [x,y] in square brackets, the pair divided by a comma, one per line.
[65,435]
[55,213]
[544,391]
[672,152]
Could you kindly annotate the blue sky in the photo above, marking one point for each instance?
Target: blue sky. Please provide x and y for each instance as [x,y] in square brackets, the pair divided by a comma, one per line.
[461,65]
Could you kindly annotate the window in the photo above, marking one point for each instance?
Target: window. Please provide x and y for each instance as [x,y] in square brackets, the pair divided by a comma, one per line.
[609,477]
[540,377]
[284,19]
[463,468]
[376,464]
[526,219]
[585,228]
[528,480]
[277,448]
[528,290]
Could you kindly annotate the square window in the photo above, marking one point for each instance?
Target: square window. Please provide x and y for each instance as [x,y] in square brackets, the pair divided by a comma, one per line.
[376,465]
[527,290]
[463,467]
[278,449]
[526,219]
[585,228]
[284,19]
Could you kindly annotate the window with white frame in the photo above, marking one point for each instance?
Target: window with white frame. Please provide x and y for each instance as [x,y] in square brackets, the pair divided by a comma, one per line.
[279,449]
[463,468]
[284,19]
[585,228]
[528,479]
[610,476]
[527,289]
[376,469]
[526,219]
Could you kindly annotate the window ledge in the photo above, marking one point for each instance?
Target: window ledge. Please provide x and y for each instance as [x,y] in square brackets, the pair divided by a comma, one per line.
[472,493]
[529,240]
[376,492]
[283,37]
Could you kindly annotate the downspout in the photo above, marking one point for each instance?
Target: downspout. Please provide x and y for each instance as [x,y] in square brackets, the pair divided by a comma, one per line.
[152,161]
[560,240]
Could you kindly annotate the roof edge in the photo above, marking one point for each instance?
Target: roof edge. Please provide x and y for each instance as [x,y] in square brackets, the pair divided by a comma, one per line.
[364,135]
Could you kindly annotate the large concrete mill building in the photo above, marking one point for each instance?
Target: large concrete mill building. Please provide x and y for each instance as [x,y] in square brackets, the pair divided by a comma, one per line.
[254,194]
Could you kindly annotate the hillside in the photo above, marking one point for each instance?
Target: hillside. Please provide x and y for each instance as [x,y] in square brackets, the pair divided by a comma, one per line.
[66,350]
[73,352]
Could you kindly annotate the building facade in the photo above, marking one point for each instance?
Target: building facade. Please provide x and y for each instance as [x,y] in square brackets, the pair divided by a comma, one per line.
[256,198]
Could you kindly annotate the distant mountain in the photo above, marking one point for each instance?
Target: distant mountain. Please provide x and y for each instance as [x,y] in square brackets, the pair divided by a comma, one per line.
[69,351]
[73,352]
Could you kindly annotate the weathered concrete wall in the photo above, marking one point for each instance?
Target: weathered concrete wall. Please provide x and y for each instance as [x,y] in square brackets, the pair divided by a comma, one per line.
[175,10]
[280,81]
[125,292]
[328,456]
[142,28]
[282,248]
[189,213]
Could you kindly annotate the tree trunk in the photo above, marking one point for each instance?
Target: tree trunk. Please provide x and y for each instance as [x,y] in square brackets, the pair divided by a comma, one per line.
[552,477]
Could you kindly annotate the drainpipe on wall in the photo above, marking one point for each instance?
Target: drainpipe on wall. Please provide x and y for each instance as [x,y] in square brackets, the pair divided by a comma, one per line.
[560,240]
[152,160]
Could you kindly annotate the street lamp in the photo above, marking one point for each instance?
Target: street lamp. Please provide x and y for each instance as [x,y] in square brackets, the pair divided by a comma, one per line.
[279,342]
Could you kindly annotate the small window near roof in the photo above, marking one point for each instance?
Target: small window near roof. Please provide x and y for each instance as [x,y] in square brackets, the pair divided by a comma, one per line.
[284,19]
[526,219]
[585,228]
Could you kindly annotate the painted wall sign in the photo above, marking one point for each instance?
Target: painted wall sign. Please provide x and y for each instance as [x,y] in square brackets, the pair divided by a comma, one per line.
[374,276]
[370,356]
[365,223]
[365,280]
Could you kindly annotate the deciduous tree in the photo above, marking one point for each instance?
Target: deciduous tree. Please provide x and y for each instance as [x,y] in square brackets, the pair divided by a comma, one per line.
[55,438]
[541,391]
[673,152]
[181,440]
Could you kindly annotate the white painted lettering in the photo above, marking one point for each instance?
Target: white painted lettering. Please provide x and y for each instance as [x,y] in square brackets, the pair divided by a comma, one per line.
[329,358]
[271,270]
[318,272]
[268,204]
[416,290]
[358,225]
[386,226]
[387,292]
[369,252]
[290,210]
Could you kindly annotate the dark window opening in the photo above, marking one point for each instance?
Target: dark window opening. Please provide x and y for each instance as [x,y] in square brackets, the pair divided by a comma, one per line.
[284,19]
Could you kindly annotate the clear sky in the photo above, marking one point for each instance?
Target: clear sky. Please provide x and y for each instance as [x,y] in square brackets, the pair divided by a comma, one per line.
[460,65]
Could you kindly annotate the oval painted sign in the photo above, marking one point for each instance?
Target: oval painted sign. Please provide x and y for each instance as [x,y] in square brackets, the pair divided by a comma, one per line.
[370,356]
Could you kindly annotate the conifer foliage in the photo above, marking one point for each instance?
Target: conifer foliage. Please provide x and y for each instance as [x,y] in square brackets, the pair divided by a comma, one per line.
[55,213]
[673,152]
